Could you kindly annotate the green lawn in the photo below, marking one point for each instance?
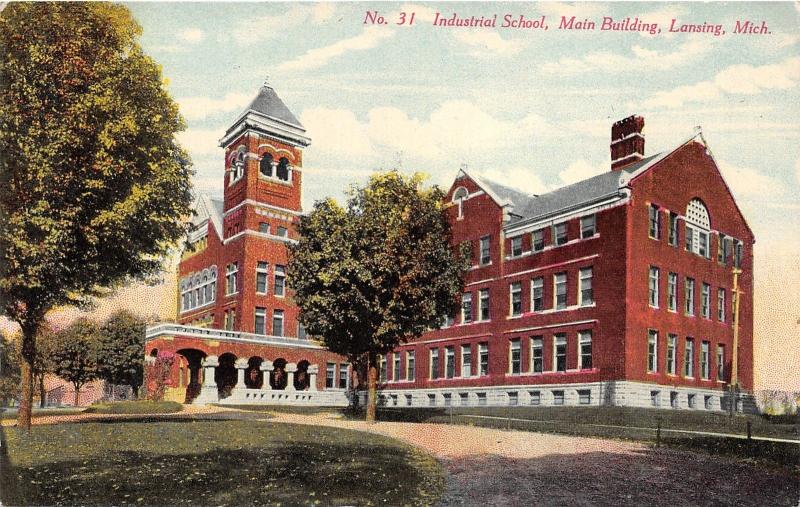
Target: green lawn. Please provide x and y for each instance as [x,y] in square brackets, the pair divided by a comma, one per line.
[135,407]
[194,462]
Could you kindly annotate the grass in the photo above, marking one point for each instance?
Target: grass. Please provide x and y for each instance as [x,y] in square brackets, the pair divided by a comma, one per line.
[7,414]
[135,407]
[194,462]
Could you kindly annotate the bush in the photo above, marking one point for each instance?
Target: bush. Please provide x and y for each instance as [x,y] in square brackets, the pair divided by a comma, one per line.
[156,375]
[136,407]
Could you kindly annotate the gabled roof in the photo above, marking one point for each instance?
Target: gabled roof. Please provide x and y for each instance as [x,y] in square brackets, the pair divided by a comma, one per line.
[207,208]
[267,114]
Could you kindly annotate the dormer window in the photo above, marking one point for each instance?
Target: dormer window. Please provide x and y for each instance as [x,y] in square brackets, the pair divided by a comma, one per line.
[459,196]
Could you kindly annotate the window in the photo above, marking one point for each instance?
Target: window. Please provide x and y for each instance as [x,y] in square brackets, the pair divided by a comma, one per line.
[560,234]
[450,362]
[448,399]
[198,289]
[283,231]
[652,351]
[483,301]
[260,321]
[516,299]
[447,321]
[690,241]
[707,402]
[535,397]
[301,331]
[705,367]
[688,358]
[466,360]
[516,246]
[411,367]
[560,292]
[585,287]
[265,165]
[699,230]
[738,254]
[655,400]
[703,244]
[691,399]
[653,287]
[654,231]
[585,350]
[459,196]
[464,399]
[584,396]
[672,292]
[466,248]
[720,362]
[486,257]
[672,356]
[721,305]
[330,374]
[705,301]
[587,226]
[343,376]
[514,357]
[537,294]
[513,398]
[537,240]
[230,319]
[263,228]
[481,399]
[277,322]
[283,171]
[466,308]
[483,359]
[434,373]
[673,399]
[722,254]
[673,229]
[230,278]
[280,281]
[558,397]
[537,354]
[382,369]
[261,277]
[396,366]
[237,169]
[689,297]
[560,352]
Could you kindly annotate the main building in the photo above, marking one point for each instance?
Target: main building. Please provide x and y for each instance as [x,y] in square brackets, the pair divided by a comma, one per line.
[631,288]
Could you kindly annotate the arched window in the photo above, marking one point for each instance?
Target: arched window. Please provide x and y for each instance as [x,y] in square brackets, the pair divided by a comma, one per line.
[282,172]
[237,168]
[459,196]
[265,166]
[698,228]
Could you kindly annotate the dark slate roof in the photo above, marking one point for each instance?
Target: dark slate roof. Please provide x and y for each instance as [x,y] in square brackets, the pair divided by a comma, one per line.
[504,193]
[269,104]
[584,191]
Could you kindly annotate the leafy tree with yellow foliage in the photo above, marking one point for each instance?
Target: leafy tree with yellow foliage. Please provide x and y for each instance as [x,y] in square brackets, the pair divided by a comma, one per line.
[378,272]
[93,182]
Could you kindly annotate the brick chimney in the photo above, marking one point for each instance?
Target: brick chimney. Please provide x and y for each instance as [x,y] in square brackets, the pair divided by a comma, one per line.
[627,142]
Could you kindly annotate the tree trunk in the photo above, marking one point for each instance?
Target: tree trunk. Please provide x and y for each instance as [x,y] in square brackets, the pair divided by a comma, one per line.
[42,393]
[135,389]
[26,377]
[77,394]
[372,387]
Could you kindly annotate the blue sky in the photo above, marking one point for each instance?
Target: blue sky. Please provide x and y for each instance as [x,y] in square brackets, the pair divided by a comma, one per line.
[530,108]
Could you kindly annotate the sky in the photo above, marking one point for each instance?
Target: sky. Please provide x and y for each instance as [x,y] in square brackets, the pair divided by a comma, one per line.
[528,107]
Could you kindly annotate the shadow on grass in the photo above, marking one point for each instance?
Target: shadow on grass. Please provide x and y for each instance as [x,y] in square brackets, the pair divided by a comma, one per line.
[289,468]
[651,477]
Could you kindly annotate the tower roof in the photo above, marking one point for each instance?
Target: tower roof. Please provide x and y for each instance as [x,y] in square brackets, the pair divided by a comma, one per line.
[269,104]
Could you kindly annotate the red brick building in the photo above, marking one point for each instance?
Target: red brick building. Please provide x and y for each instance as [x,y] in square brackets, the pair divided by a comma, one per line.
[238,339]
[615,290]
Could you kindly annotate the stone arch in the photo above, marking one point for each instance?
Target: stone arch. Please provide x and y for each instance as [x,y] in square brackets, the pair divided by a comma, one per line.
[225,374]
[278,377]
[301,379]
[253,376]
[192,376]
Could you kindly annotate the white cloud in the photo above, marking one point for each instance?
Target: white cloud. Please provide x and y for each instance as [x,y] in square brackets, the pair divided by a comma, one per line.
[525,180]
[641,59]
[195,108]
[488,44]
[337,133]
[317,57]
[746,182]
[736,79]
[199,142]
[580,170]
[267,27]
[191,35]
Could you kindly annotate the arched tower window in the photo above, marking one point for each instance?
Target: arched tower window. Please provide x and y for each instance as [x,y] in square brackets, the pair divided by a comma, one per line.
[698,228]
[265,166]
[283,169]
[459,196]
[237,168]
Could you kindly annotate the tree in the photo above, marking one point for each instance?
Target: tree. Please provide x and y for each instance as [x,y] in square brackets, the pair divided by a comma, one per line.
[9,370]
[93,180]
[75,359]
[46,344]
[120,353]
[378,272]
